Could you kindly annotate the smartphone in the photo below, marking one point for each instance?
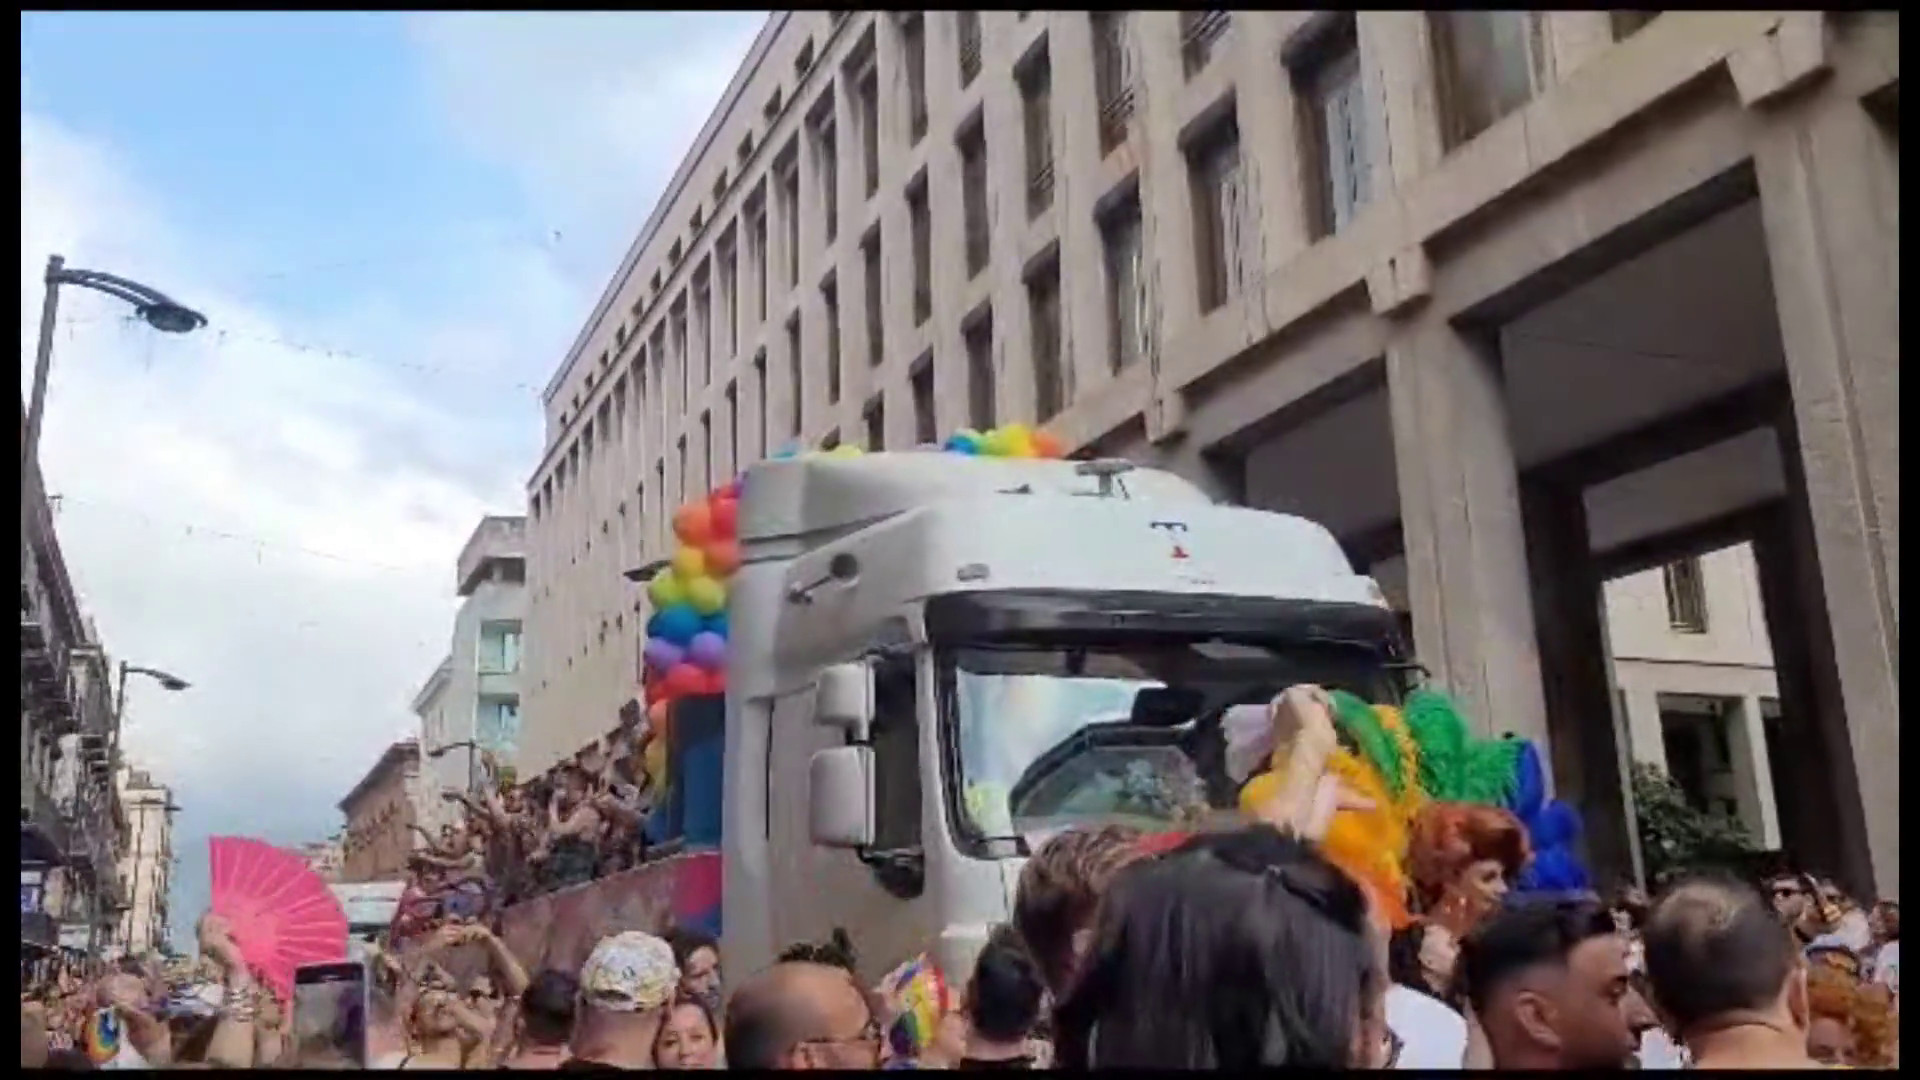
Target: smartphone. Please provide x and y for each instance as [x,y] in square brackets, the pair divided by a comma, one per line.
[104,1035]
[330,1015]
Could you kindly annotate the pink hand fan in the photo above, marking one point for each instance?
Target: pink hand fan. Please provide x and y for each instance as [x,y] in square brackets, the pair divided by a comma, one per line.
[281,913]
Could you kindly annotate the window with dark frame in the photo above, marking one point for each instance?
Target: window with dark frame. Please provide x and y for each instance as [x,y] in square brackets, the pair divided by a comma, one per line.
[756,211]
[981,391]
[913,47]
[1050,379]
[1036,106]
[830,302]
[874,416]
[866,84]
[920,235]
[1113,75]
[678,319]
[760,400]
[729,316]
[1200,36]
[736,458]
[702,327]
[1128,309]
[973,190]
[1488,64]
[788,170]
[876,313]
[796,378]
[1336,122]
[967,41]
[1686,595]
[826,153]
[924,418]
[1222,223]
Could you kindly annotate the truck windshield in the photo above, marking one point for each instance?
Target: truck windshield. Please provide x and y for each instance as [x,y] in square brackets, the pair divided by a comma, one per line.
[1060,734]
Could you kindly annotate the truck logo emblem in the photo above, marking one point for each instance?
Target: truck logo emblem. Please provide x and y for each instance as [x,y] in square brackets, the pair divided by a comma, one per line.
[1173,530]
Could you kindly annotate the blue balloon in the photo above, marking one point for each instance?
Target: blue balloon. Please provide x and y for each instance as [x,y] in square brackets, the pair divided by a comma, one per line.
[960,444]
[716,623]
[788,451]
[676,624]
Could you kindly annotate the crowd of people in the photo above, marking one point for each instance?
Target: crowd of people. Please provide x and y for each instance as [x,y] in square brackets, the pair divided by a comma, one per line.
[586,819]
[1242,946]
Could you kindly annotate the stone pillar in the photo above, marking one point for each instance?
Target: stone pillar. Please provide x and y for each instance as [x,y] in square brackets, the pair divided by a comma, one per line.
[1589,755]
[1829,185]
[1641,705]
[1460,515]
[1753,771]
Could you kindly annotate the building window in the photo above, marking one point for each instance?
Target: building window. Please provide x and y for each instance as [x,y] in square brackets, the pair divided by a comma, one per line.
[876,315]
[830,300]
[684,478]
[702,327]
[659,351]
[760,397]
[706,450]
[659,515]
[1489,64]
[1628,23]
[967,38]
[796,382]
[1127,307]
[1686,596]
[826,153]
[973,187]
[867,95]
[981,404]
[1036,106]
[1113,75]
[1221,226]
[924,421]
[678,330]
[913,43]
[735,459]
[1200,34]
[757,252]
[497,723]
[1043,318]
[1335,117]
[803,62]
[920,229]
[875,417]
[729,296]
[499,648]
[789,173]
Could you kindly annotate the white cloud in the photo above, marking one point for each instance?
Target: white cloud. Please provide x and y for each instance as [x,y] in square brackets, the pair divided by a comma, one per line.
[165,450]
[592,110]
[279,525]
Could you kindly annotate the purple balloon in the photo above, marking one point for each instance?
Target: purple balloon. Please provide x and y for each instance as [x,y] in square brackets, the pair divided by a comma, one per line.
[661,654]
[708,650]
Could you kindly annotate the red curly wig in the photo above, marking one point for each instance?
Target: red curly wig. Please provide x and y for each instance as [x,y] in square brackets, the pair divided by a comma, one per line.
[1448,837]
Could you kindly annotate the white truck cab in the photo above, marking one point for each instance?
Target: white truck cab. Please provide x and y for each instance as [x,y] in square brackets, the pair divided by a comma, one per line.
[937,661]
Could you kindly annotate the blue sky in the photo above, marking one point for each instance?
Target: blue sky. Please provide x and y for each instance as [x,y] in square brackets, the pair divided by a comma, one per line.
[396,224]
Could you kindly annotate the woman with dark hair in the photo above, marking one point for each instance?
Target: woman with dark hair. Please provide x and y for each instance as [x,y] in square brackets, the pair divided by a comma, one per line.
[1003,1003]
[689,1038]
[1239,949]
[698,955]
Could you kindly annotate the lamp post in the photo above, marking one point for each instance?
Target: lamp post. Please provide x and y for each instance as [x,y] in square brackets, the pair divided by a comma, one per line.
[472,748]
[154,307]
[167,681]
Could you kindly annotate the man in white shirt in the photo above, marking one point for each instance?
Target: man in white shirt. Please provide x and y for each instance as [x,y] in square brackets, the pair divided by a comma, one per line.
[1428,1033]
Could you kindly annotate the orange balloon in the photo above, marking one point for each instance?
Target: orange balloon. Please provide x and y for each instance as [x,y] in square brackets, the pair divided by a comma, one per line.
[693,523]
[1048,445]
[657,719]
[723,558]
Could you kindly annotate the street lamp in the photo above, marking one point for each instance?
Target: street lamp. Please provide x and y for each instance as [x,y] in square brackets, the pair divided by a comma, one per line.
[154,307]
[472,748]
[167,681]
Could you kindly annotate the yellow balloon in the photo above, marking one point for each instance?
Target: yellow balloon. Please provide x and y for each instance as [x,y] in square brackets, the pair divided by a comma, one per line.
[655,759]
[689,562]
[707,596]
[666,590]
[1018,440]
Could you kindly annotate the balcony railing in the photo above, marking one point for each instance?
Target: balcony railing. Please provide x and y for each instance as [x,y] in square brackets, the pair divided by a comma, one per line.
[1115,114]
[969,34]
[1200,32]
[1040,189]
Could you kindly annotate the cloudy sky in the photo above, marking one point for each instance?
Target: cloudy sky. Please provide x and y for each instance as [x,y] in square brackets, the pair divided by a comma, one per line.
[396,224]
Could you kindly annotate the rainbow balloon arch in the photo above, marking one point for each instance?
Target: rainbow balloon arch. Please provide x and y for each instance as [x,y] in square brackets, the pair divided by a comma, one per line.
[685,654]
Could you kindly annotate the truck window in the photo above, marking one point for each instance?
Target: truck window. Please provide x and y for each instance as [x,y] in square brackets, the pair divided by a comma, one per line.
[895,738]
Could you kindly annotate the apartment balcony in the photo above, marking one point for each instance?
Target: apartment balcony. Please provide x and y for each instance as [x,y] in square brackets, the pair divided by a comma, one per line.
[44,831]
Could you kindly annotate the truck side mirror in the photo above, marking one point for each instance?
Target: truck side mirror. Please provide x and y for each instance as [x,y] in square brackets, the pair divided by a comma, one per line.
[840,797]
[844,699]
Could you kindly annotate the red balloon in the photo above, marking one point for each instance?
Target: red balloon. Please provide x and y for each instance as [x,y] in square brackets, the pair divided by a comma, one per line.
[682,680]
[723,558]
[693,523]
[716,681]
[725,516]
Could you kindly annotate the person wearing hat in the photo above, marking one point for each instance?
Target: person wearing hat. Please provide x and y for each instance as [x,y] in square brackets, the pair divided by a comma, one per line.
[625,988]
